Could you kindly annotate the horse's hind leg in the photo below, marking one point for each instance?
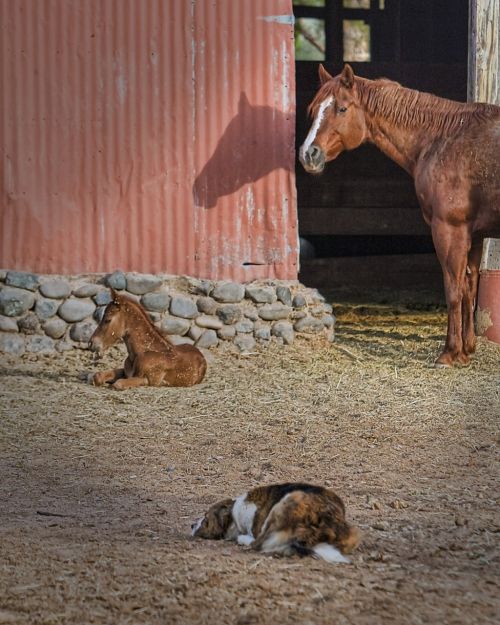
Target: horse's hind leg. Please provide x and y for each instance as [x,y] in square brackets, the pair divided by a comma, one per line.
[469,299]
[452,246]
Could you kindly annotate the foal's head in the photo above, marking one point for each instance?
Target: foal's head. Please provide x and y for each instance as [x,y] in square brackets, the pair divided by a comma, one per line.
[112,327]
[338,121]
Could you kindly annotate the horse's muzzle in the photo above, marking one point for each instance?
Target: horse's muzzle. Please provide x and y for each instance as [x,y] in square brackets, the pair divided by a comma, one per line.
[312,159]
[95,346]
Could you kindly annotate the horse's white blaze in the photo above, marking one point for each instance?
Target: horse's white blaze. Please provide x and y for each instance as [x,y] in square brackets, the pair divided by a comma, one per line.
[316,125]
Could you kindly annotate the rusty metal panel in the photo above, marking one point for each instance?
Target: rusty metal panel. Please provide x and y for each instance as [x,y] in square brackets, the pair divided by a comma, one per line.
[148,135]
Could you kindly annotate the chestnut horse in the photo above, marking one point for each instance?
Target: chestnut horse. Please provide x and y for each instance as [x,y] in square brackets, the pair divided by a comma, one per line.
[452,150]
[152,359]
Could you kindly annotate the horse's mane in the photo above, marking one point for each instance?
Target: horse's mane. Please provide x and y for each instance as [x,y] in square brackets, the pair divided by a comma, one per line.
[145,317]
[413,109]
[416,109]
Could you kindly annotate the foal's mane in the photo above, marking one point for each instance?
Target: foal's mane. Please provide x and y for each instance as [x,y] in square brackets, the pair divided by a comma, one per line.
[145,317]
[409,108]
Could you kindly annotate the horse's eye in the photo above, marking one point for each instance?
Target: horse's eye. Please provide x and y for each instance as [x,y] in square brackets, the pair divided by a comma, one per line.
[342,109]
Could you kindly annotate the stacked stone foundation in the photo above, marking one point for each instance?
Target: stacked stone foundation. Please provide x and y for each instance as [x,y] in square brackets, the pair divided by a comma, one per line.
[46,313]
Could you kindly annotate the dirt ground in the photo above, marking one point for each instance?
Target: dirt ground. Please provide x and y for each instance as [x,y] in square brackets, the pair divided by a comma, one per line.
[98,488]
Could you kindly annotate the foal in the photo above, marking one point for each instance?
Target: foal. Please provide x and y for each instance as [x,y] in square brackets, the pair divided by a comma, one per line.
[152,359]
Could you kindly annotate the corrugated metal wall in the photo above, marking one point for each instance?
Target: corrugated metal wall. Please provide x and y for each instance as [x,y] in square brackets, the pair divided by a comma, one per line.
[148,135]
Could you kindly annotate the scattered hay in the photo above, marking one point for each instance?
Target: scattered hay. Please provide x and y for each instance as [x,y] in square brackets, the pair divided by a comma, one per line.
[99,487]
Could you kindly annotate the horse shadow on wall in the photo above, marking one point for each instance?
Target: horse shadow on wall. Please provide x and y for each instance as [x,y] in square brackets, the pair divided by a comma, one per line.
[257,141]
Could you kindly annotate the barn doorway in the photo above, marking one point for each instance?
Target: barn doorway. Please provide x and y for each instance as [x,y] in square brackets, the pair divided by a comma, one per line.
[359,223]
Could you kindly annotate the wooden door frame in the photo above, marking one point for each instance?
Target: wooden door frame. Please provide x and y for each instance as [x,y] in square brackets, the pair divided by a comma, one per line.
[484,51]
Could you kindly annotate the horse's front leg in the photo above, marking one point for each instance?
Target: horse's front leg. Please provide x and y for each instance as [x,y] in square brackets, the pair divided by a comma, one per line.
[133,376]
[107,377]
[470,298]
[452,246]
[125,383]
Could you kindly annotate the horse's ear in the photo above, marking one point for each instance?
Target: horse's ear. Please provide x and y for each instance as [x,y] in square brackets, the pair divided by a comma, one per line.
[347,76]
[324,76]
[243,103]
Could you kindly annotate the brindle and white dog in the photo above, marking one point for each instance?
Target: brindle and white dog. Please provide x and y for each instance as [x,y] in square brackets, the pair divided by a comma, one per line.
[284,519]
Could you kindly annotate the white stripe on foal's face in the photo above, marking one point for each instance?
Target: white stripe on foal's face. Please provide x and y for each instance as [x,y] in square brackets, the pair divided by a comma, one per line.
[316,125]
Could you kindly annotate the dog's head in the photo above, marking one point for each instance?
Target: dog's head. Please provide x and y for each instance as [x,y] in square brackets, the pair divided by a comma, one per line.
[216,521]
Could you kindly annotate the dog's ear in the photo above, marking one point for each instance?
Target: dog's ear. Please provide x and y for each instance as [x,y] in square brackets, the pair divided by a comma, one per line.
[224,514]
[216,521]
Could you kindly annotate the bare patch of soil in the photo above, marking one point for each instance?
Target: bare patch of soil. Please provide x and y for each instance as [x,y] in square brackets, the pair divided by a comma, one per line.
[98,488]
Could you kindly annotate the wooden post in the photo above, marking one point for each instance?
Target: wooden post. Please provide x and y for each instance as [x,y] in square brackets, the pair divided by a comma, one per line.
[484,51]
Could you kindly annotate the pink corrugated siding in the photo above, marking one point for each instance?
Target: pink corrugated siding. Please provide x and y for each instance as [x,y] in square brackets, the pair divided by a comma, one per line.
[148,135]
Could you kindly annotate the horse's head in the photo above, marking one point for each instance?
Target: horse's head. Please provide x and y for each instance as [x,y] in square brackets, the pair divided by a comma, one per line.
[338,120]
[112,326]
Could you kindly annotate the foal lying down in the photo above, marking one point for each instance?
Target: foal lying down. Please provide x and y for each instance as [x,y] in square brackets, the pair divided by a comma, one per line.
[284,519]
[152,359]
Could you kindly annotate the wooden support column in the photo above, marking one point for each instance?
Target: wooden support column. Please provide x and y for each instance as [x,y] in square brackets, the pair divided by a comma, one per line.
[484,51]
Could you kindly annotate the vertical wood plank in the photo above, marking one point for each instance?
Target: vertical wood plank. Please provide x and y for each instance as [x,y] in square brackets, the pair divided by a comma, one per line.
[484,51]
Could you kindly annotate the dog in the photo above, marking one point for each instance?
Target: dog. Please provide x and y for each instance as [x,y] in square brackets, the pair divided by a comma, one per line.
[284,519]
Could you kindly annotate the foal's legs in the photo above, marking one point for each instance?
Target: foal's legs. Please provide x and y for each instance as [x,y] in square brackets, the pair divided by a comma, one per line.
[121,385]
[470,298]
[452,246]
[112,375]
[107,377]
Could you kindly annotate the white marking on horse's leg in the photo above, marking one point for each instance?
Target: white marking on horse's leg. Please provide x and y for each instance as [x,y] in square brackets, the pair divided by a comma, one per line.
[315,127]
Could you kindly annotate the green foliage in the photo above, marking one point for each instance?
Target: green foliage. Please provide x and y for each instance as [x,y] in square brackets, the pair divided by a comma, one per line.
[309,3]
[309,39]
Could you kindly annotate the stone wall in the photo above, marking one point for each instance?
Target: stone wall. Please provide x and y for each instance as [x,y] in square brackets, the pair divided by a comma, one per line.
[40,313]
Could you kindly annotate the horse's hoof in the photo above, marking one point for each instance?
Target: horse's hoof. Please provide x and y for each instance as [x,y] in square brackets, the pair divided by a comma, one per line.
[463,360]
[442,365]
[444,361]
[86,377]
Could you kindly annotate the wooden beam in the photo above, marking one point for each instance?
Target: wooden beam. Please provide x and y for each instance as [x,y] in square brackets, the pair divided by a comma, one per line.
[396,272]
[377,221]
[484,51]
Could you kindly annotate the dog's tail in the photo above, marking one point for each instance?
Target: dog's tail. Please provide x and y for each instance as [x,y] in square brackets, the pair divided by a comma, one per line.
[287,543]
[345,541]
[323,551]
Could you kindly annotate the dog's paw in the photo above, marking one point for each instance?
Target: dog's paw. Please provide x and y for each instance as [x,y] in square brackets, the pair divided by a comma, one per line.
[245,540]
